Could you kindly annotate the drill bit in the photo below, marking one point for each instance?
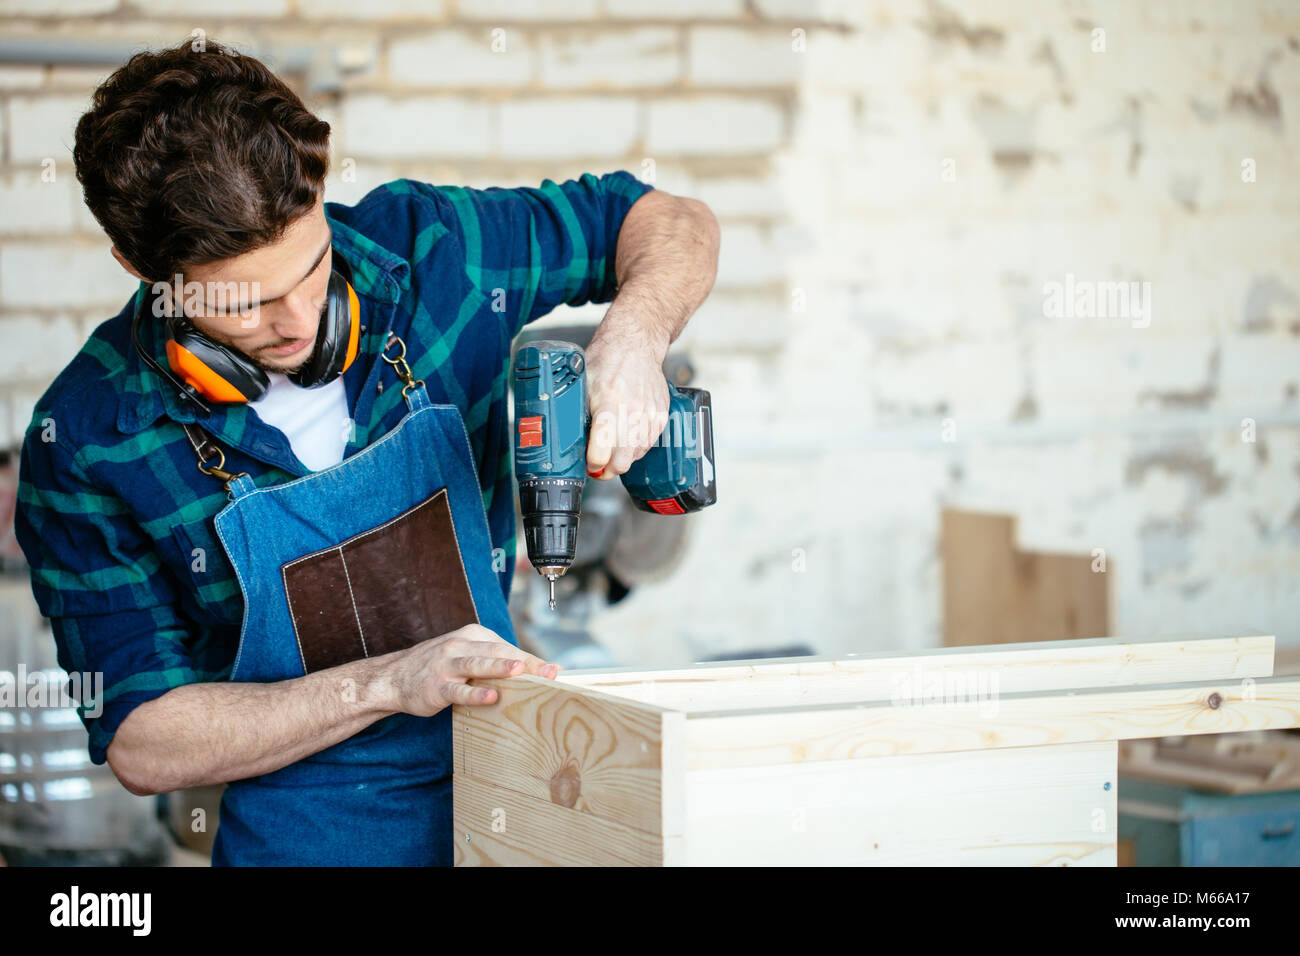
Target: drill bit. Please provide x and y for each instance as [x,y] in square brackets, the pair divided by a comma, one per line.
[550,578]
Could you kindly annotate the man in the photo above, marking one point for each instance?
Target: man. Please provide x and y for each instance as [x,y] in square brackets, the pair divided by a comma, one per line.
[270,500]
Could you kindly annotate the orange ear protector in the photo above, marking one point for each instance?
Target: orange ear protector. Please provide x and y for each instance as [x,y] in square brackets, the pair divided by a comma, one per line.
[205,368]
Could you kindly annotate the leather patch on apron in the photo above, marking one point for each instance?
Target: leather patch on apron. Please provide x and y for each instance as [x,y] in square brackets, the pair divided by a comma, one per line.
[381,590]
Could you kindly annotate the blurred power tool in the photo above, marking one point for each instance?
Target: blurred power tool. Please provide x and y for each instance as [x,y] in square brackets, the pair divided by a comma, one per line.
[552,424]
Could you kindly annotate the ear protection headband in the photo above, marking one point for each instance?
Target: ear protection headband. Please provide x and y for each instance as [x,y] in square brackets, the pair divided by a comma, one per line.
[222,374]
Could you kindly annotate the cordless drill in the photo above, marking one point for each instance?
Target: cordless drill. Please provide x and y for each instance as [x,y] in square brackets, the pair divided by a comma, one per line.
[553,422]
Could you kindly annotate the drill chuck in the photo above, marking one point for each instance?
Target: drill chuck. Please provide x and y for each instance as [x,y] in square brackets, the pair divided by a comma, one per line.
[551,508]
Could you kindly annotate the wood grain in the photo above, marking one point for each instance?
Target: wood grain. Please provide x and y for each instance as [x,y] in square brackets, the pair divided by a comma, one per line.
[495,826]
[581,749]
[1041,666]
[876,729]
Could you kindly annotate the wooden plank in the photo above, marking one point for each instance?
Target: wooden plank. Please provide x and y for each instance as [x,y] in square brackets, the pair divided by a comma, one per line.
[495,826]
[672,793]
[875,729]
[574,747]
[1030,806]
[996,593]
[886,675]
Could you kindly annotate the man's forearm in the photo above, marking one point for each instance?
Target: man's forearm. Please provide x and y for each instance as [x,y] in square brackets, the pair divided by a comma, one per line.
[666,263]
[209,733]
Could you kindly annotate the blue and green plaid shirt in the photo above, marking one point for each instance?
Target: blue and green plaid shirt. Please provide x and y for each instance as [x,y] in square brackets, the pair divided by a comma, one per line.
[116,519]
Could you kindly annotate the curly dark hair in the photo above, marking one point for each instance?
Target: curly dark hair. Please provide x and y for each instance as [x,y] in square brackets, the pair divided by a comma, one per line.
[191,156]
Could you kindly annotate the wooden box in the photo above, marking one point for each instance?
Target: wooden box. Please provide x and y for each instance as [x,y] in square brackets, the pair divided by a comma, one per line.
[1003,754]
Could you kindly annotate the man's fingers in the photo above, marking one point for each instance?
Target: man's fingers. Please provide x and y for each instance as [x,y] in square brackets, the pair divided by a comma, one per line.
[597,458]
[615,442]
[484,666]
[601,438]
[504,651]
[501,649]
[622,460]
[456,693]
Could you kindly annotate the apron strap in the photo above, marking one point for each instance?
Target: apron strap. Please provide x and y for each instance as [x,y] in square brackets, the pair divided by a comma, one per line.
[206,449]
[412,387]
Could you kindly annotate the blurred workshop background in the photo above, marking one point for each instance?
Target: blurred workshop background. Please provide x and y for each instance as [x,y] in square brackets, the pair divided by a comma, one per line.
[1005,341]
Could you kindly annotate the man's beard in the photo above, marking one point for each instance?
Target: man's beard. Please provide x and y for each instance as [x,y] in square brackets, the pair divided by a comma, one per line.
[261,363]
[281,369]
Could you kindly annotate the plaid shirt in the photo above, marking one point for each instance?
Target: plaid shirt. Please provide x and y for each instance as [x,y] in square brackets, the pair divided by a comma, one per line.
[116,519]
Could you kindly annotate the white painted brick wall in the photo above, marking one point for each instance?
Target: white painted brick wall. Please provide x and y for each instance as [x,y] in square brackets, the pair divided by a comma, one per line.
[462,58]
[215,8]
[713,126]
[1260,371]
[800,11]
[741,56]
[33,206]
[38,346]
[77,78]
[59,274]
[607,59]
[21,76]
[741,197]
[56,8]
[510,10]
[569,126]
[747,258]
[373,10]
[418,127]
[22,403]
[740,320]
[9,437]
[674,9]
[42,127]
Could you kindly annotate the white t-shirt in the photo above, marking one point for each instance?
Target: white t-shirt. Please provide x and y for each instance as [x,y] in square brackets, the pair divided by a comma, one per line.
[315,420]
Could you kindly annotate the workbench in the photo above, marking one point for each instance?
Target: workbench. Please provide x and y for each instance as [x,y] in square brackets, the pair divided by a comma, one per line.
[1002,754]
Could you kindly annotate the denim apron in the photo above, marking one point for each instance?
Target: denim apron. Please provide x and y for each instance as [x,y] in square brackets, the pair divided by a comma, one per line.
[383,550]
